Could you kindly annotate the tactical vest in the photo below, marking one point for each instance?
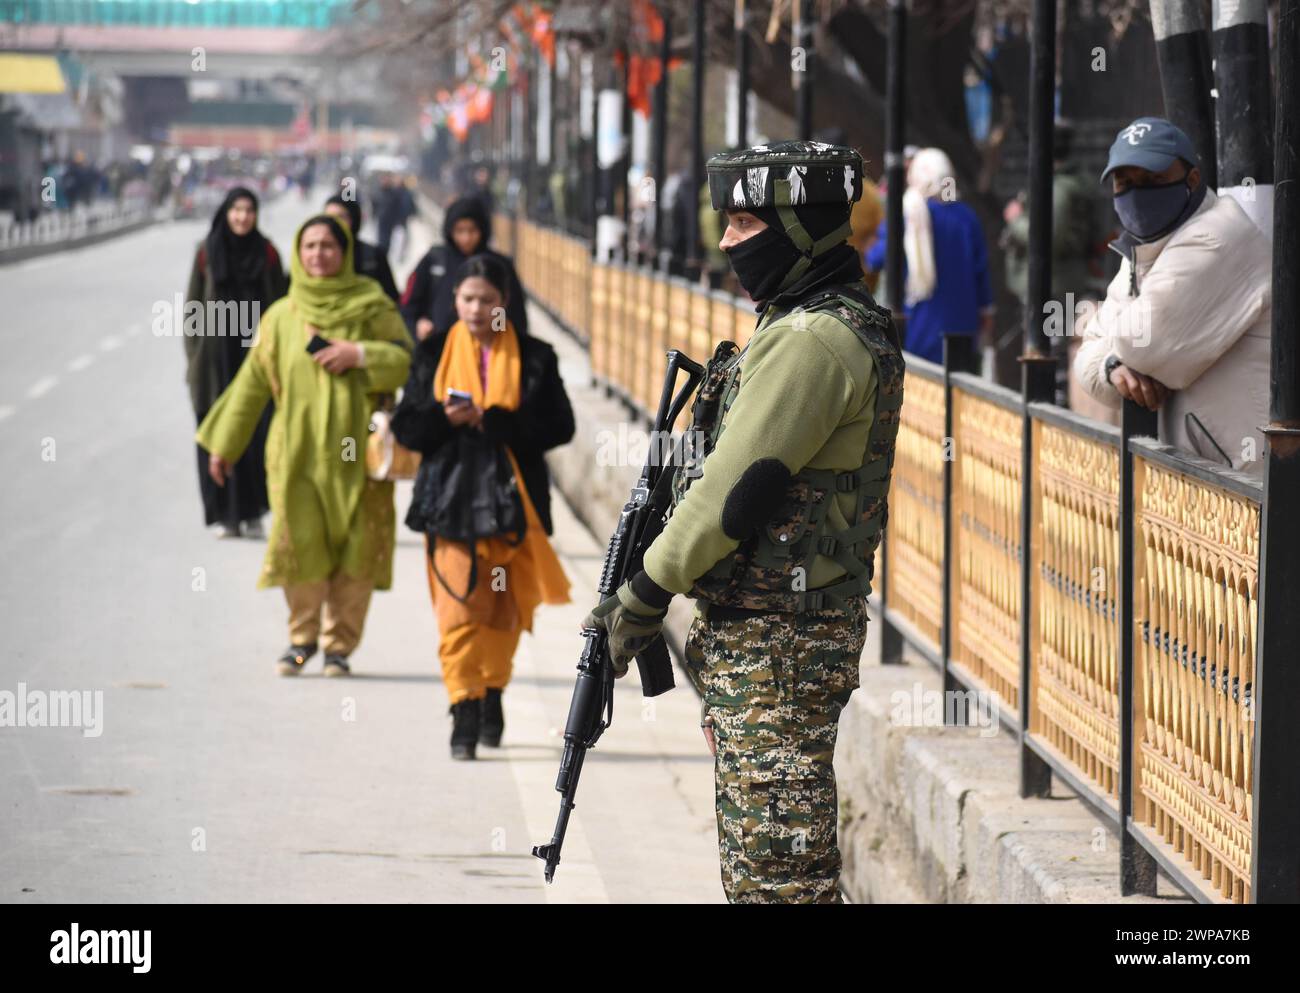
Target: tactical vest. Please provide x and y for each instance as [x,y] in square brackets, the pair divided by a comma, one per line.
[768,571]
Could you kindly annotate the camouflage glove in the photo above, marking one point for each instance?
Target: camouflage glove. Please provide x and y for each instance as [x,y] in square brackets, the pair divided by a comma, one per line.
[632,624]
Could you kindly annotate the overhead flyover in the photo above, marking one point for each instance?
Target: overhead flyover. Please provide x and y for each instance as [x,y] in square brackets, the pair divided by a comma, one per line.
[239,38]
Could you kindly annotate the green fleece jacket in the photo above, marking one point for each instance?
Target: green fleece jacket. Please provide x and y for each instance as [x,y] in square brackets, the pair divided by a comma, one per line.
[807,397]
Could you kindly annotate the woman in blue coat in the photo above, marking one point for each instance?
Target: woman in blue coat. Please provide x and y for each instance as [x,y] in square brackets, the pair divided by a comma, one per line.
[946,266]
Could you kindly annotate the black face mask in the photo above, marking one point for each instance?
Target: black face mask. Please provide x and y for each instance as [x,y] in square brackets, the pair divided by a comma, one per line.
[762,262]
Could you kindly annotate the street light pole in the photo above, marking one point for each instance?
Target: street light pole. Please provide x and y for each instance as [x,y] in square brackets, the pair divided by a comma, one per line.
[1183,55]
[895,179]
[693,261]
[742,74]
[1275,815]
[891,644]
[661,130]
[803,77]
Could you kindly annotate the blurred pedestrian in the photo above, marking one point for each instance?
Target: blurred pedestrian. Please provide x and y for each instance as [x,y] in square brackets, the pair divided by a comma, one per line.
[675,215]
[370,261]
[481,187]
[395,207]
[946,271]
[483,405]
[1071,228]
[236,276]
[325,354]
[711,224]
[1186,324]
[429,302]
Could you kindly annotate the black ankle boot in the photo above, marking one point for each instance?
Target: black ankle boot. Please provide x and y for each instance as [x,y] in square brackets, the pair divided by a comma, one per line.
[491,721]
[464,731]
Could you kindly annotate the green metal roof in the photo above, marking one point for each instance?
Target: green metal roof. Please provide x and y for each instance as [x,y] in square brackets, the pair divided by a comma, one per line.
[313,14]
[268,114]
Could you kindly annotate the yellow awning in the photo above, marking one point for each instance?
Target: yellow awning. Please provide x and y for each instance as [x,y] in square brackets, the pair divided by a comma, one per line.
[30,74]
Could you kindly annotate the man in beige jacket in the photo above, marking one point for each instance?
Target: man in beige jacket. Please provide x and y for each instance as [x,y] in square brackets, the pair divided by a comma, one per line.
[1184,328]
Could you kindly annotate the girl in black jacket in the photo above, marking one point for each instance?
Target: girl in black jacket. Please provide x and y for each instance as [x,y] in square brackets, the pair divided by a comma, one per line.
[480,387]
[427,305]
[367,259]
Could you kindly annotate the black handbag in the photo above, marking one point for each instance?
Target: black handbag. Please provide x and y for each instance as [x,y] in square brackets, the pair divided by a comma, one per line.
[476,496]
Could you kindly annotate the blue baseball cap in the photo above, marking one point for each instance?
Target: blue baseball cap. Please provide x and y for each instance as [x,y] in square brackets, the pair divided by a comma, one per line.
[1150,143]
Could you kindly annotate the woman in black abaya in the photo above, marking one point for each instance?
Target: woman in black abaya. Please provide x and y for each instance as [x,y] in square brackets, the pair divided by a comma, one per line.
[234,265]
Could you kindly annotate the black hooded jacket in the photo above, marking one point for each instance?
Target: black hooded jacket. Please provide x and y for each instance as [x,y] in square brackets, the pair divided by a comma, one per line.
[429,290]
[367,259]
[543,420]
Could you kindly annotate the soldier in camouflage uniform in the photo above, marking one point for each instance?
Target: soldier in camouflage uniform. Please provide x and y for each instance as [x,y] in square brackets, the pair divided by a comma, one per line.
[777,513]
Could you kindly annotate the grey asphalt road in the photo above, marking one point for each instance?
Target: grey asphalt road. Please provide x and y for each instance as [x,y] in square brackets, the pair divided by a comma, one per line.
[210,778]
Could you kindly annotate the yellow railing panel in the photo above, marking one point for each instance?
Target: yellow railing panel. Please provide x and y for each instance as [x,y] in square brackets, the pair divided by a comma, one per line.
[985,611]
[916,509]
[701,330]
[1074,574]
[599,340]
[644,370]
[679,318]
[1196,579]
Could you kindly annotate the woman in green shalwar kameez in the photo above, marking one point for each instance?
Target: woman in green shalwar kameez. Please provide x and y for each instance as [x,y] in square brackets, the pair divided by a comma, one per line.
[333,527]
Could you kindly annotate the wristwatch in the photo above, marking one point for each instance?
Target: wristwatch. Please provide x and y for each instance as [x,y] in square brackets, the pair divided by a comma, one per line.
[1112,361]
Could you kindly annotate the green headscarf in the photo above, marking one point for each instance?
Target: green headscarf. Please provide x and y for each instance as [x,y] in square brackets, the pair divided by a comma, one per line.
[333,302]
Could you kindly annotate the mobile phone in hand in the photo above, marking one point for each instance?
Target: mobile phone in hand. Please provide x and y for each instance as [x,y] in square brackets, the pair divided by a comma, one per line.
[456,397]
[317,343]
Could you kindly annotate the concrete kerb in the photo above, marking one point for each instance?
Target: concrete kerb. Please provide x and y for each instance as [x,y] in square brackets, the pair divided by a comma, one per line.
[934,815]
[927,814]
[21,253]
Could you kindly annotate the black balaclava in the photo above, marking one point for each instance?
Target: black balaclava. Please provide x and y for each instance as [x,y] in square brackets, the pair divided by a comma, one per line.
[764,262]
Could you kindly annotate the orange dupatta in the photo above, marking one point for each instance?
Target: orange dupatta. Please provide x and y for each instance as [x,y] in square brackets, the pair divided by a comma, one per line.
[533,569]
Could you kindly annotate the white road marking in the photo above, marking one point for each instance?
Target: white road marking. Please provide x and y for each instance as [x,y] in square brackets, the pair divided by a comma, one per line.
[134,330]
[42,386]
[5,412]
[80,362]
[110,342]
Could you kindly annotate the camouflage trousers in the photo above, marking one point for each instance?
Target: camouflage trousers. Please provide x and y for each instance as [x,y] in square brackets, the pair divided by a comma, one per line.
[774,685]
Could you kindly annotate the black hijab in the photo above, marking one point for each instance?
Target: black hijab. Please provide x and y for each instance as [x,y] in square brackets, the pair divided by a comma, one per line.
[471,208]
[354,212]
[236,262]
[466,208]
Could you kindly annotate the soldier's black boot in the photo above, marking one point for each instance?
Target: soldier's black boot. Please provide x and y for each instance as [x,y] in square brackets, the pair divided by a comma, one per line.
[491,720]
[464,729]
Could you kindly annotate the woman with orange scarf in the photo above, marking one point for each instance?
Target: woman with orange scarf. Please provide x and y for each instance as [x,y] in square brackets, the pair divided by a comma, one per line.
[483,377]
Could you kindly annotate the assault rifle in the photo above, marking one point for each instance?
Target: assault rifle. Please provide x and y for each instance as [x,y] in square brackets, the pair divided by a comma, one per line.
[591,710]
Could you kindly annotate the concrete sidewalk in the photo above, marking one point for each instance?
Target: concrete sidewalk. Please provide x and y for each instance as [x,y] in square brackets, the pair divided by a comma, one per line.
[214,779]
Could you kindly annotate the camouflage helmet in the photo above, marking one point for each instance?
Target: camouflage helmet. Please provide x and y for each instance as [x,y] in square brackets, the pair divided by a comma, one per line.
[812,171]
[785,175]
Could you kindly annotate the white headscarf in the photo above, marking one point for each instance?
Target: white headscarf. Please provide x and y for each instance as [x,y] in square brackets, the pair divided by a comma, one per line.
[926,177]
